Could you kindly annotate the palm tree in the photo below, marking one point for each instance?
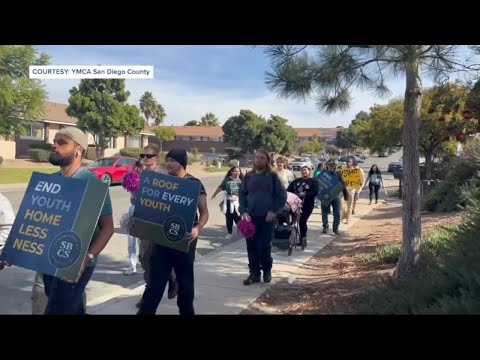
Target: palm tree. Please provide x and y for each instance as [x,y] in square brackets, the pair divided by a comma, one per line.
[160,115]
[148,105]
[209,120]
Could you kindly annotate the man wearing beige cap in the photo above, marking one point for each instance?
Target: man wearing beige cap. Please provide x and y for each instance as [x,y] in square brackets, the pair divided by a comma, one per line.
[65,298]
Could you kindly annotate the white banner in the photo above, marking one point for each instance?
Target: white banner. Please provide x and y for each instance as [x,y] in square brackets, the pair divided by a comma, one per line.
[91,72]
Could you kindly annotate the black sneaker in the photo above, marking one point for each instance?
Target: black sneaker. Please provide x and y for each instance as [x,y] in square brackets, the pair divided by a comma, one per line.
[336,232]
[267,276]
[325,230]
[252,278]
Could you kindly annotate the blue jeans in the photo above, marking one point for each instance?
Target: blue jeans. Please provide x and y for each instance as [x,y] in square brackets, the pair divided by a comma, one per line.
[335,204]
[66,298]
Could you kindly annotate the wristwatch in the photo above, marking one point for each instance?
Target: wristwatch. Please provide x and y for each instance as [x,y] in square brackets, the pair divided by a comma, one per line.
[91,257]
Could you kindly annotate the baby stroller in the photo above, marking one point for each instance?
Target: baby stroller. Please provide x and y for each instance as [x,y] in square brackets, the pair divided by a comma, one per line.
[286,233]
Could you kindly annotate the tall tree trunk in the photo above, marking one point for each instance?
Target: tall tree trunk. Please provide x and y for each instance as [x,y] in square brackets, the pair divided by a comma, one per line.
[100,148]
[412,229]
[161,146]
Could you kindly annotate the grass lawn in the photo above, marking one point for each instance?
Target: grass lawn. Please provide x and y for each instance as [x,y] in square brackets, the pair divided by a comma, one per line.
[21,175]
[216,169]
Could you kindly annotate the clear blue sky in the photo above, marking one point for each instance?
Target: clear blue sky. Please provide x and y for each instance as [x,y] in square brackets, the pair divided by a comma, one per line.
[193,80]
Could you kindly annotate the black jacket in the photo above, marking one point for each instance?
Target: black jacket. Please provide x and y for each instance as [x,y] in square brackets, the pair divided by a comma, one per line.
[308,186]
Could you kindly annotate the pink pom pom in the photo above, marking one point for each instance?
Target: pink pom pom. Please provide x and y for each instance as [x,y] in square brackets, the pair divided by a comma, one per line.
[131,181]
[247,228]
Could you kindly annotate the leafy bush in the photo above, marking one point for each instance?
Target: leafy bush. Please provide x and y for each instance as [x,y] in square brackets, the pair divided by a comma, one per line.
[39,155]
[386,254]
[448,278]
[1,161]
[390,253]
[132,152]
[194,152]
[446,196]
[41,145]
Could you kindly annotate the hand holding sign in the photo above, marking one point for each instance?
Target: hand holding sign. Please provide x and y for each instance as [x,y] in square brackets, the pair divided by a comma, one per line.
[193,235]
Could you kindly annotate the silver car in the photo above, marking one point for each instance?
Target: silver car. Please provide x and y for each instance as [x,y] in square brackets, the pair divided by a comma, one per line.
[298,163]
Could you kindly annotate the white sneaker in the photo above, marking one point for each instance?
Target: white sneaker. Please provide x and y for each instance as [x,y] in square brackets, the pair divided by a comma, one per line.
[228,236]
[130,272]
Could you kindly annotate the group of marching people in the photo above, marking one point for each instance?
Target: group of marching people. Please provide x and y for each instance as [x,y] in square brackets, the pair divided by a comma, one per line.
[255,197]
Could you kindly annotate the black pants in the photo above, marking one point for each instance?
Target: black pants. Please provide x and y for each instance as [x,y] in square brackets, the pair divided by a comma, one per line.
[306,212]
[373,188]
[162,261]
[231,217]
[259,247]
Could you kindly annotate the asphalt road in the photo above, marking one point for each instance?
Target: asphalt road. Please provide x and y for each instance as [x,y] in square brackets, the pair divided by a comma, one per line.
[16,283]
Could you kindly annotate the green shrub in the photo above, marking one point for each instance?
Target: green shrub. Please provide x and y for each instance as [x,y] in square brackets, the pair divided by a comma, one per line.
[446,196]
[131,152]
[448,278]
[41,145]
[390,253]
[1,161]
[385,254]
[39,155]
[194,153]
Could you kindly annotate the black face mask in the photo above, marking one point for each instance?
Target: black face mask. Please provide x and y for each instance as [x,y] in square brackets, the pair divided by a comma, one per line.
[58,160]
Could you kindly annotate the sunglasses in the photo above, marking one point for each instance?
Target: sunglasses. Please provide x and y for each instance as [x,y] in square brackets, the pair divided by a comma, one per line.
[148,156]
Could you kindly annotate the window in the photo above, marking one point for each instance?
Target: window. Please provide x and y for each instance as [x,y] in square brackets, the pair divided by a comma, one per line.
[310,138]
[196,138]
[214,139]
[126,162]
[112,143]
[33,131]
[204,138]
[134,141]
[184,138]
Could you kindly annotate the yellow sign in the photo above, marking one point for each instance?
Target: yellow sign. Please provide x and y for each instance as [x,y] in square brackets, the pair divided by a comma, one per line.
[353,178]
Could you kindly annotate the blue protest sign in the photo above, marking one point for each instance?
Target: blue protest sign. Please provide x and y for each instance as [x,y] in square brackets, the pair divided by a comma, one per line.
[329,188]
[55,224]
[165,209]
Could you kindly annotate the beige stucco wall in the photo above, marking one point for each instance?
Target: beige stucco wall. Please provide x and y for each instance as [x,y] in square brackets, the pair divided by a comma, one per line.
[7,149]
[108,152]
[52,131]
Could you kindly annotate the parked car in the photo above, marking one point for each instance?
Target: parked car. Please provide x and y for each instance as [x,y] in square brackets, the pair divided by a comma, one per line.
[111,170]
[395,165]
[344,159]
[298,163]
[362,156]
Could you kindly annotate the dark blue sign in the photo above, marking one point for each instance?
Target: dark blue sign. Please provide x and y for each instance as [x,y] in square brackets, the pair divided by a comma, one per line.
[165,209]
[330,187]
[55,224]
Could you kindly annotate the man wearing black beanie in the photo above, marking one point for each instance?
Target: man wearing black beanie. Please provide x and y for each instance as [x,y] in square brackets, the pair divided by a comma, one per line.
[163,259]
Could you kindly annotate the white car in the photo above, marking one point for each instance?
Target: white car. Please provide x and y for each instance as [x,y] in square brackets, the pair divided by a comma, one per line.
[298,163]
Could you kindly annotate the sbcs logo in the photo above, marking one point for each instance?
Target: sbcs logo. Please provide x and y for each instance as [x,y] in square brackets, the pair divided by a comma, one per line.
[174,229]
[65,249]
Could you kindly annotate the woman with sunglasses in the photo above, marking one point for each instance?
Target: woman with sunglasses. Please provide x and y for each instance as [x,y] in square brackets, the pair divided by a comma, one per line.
[148,161]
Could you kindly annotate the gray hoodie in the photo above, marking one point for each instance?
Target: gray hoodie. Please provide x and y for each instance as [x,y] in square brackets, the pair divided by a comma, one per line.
[261,193]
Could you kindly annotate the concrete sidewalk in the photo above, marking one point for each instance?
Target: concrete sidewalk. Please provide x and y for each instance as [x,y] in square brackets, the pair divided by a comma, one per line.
[219,275]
